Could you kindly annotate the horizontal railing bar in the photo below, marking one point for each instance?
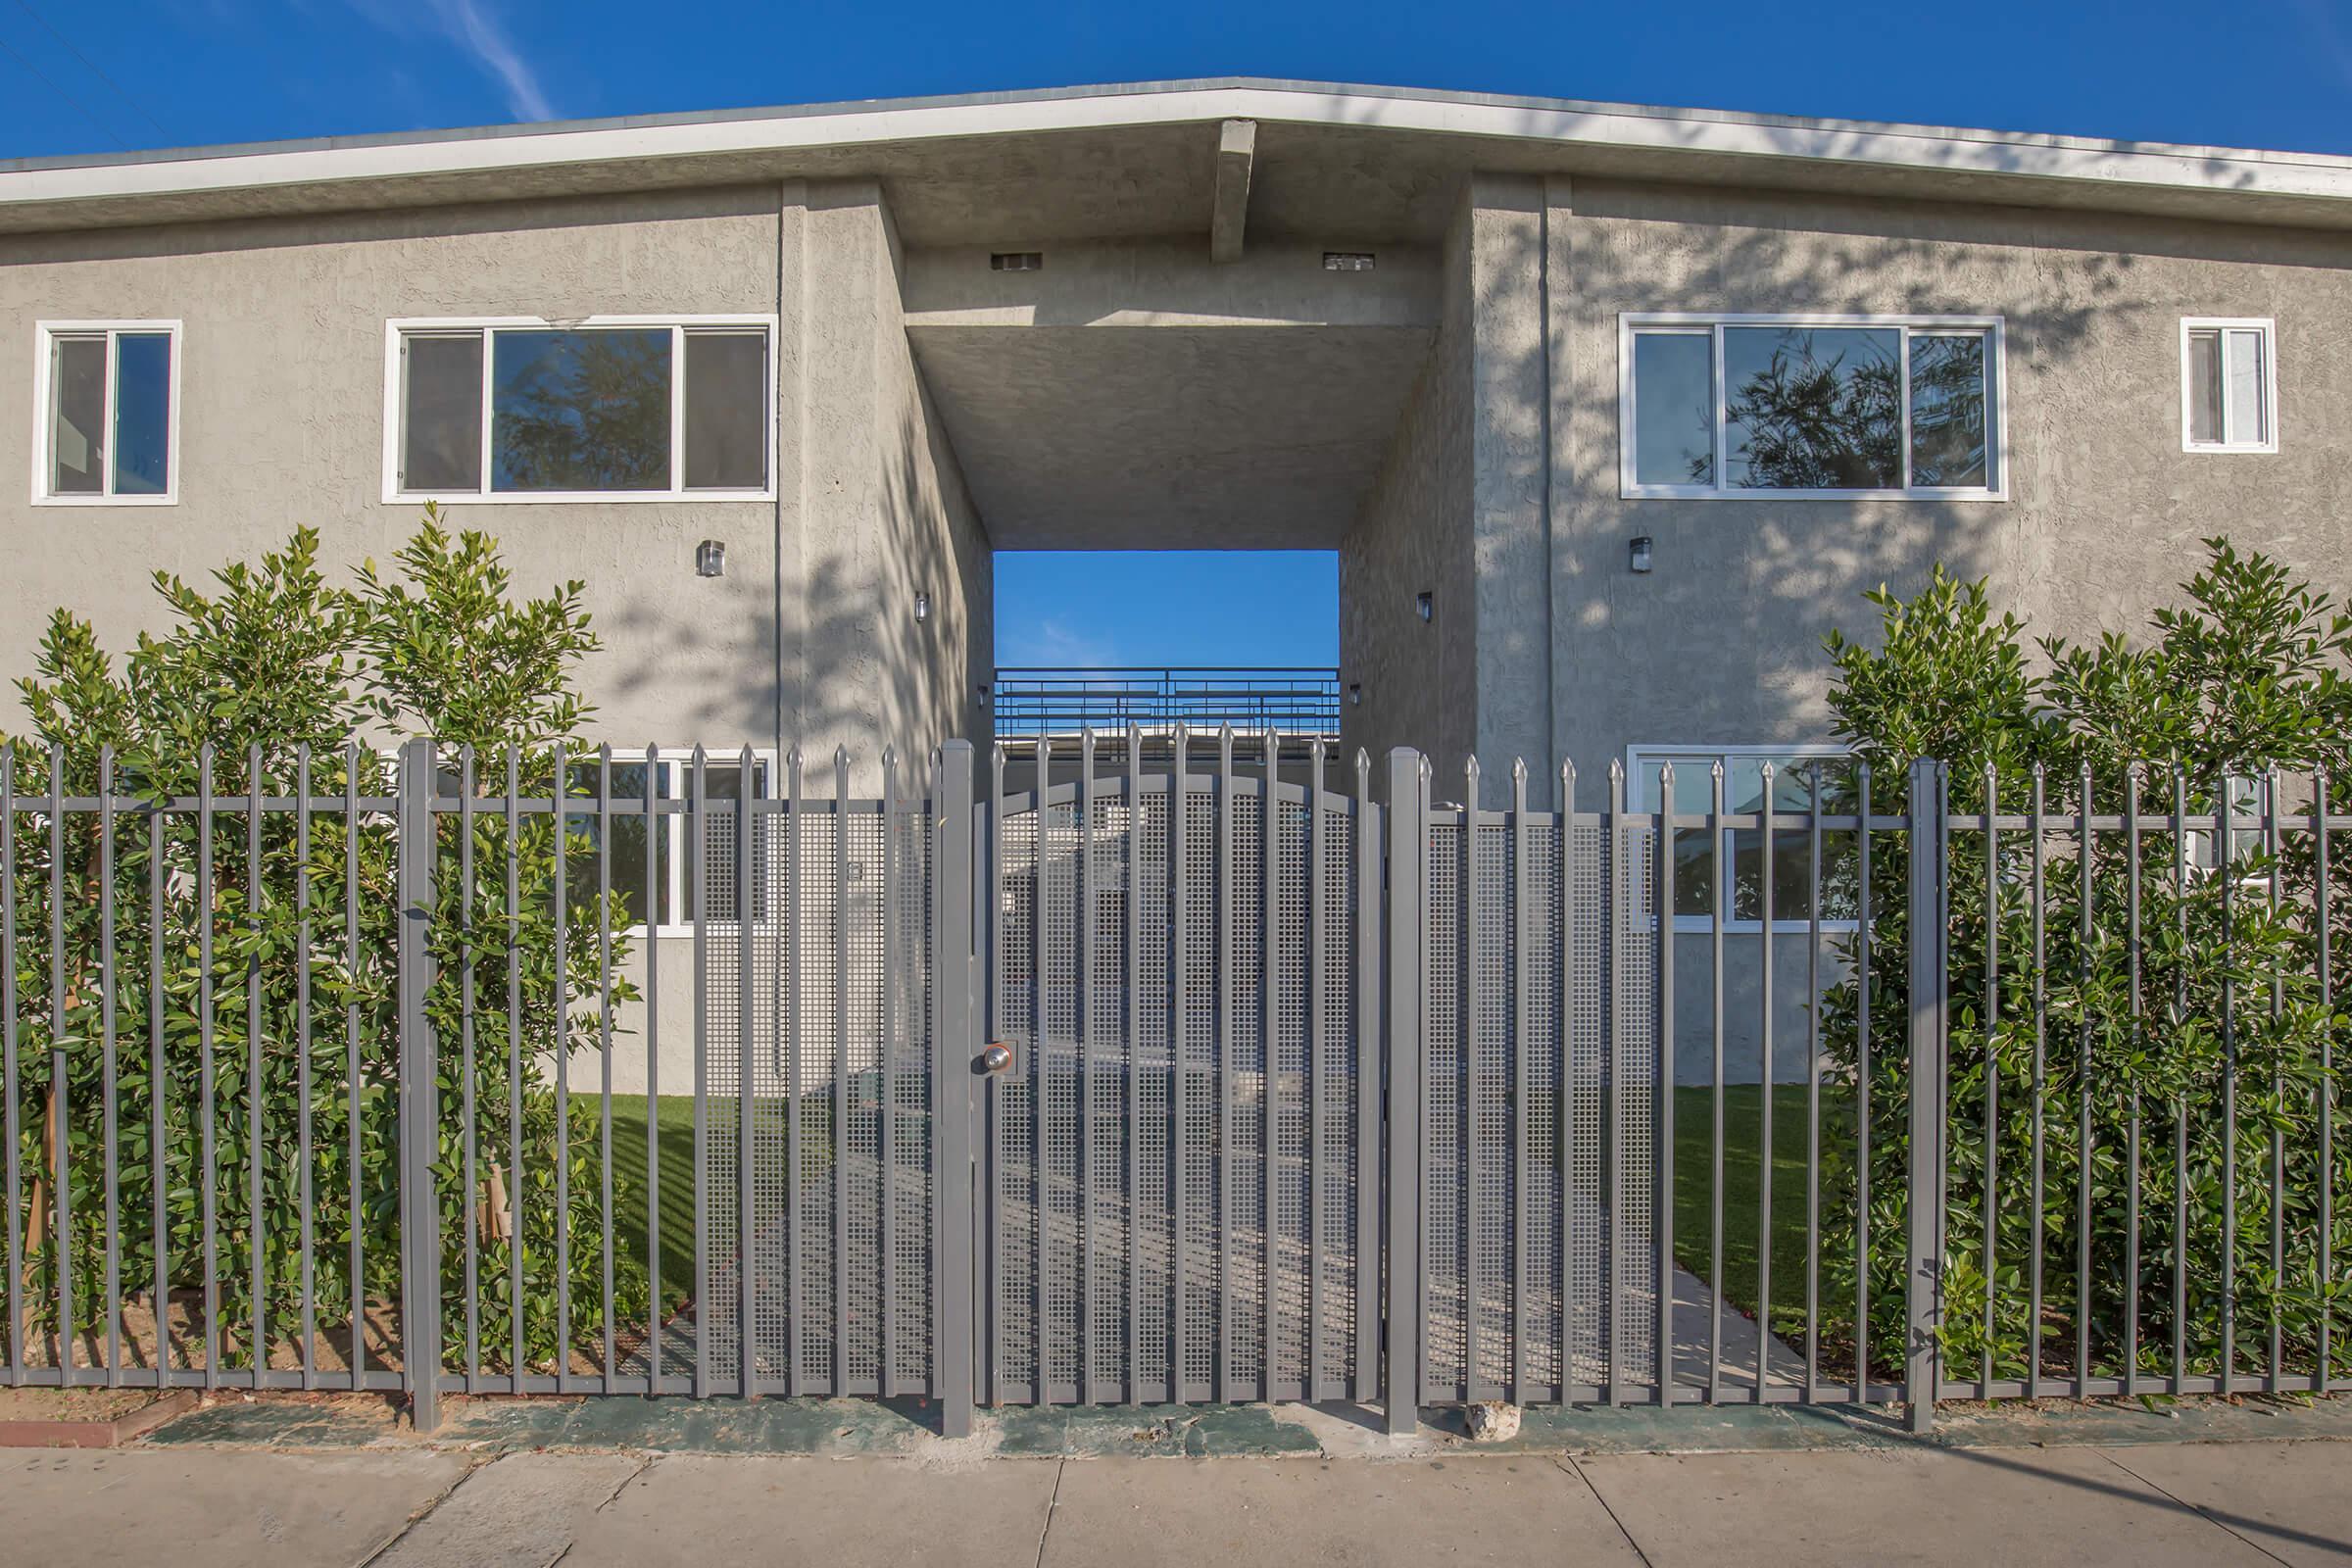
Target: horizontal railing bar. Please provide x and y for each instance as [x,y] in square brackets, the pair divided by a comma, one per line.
[137,807]
[2054,1386]
[2149,826]
[194,1377]
[226,803]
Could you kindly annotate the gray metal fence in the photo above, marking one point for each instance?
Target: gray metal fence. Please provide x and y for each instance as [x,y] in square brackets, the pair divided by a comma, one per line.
[1189,1079]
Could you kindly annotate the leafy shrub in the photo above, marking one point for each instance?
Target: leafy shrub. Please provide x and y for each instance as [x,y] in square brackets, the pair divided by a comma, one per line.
[2192,1063]
[249,973]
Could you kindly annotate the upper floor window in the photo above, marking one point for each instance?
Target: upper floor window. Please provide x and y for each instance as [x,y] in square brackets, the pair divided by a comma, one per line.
[2228,386]
[108,396]
[611,408]
[1797,406]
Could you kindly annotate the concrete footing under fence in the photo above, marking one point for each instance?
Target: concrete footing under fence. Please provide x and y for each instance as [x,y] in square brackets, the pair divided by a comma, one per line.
[902,1428]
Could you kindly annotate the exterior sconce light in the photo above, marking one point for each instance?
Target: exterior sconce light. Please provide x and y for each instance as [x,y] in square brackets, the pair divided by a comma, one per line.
[982,694]
[710,559]
[1425,604]
[922,606]
[1355,694]
[1637,555]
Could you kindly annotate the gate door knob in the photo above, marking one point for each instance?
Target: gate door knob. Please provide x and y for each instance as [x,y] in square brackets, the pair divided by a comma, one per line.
[997,1058]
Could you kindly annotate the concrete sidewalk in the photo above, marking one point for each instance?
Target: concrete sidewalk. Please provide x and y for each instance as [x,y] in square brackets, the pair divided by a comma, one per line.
[402,1507]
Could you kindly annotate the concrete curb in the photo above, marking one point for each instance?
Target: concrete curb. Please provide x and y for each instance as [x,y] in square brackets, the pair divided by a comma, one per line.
[98,1434]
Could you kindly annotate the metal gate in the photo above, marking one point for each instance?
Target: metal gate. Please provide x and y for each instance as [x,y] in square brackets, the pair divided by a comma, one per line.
[1153,1077]
[1179,1140]
[1140,1080]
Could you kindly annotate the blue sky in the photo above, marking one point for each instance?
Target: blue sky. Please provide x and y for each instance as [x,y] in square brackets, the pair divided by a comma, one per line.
[1167,607]
[86,75]
[97,75]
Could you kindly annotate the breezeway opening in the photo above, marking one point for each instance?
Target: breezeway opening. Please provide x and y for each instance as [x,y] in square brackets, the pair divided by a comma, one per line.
[1102,640]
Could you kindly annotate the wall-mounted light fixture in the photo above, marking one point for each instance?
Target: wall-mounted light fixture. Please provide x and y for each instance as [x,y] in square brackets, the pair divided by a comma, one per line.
[1425,604]
[1637,554]
[1355,694]
[982,694]
[922,605]
[710,559]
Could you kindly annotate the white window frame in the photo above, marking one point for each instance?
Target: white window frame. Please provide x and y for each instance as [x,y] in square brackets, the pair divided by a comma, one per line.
[398,328]
[2268,328]
[44,367]
[1639,757]
[1711,323]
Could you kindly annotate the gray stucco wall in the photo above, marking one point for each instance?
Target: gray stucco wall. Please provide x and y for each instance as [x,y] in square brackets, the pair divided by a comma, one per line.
[811,635]
[887,516]
[1508,460]
[1418,679]
[1721,642]
[283,387]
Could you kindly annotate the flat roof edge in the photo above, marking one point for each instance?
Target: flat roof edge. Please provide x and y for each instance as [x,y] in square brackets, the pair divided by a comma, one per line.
[1926,151]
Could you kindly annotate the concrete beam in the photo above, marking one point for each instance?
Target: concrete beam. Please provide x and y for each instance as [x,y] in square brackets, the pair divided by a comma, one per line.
[1229,208]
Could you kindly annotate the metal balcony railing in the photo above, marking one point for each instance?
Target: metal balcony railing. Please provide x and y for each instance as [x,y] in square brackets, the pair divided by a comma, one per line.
[1036,699]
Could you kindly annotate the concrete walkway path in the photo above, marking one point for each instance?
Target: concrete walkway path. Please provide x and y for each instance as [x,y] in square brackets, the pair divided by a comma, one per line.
[404,1507]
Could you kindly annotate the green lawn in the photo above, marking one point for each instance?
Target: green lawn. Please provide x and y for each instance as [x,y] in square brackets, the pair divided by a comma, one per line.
[1693,1142]
[674,1119]
[1742,1137]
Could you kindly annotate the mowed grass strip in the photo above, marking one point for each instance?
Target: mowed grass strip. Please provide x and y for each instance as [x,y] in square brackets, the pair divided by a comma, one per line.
[1742,1191]
[674,1124]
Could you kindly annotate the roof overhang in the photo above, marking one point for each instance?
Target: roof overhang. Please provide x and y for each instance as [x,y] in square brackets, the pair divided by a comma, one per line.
[1008,136]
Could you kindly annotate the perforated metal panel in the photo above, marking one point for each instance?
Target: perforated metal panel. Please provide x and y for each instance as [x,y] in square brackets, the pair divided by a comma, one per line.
[825,994]
[1176,1183]
[1537,1191]
[1176,975]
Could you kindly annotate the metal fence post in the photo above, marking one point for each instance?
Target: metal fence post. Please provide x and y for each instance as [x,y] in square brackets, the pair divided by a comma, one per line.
[420,1098]
[1930,938]
[1401,1039]
[955,1309]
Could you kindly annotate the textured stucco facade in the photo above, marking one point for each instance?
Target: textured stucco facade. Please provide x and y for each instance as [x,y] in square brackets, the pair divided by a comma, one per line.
[1447,420]
[810,636]
[1721,642]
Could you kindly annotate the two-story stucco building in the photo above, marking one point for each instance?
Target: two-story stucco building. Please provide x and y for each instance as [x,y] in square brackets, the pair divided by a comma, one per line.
[1611,413]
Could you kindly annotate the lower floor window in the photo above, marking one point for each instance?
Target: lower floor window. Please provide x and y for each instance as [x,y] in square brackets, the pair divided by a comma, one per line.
[1725,872]
[660,887]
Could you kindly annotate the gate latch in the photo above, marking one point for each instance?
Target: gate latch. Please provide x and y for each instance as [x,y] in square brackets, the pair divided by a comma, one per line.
[997,1059]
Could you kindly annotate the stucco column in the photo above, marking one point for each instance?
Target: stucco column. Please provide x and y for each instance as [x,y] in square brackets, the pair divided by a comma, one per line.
[884,584]
[1503,230]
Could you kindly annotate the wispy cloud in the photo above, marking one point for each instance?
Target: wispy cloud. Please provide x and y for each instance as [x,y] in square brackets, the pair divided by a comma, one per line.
[468,24]
[1056,644]
[474,27]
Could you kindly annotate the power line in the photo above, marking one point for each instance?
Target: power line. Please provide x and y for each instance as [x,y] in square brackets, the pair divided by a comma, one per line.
[62,93]
[138,106]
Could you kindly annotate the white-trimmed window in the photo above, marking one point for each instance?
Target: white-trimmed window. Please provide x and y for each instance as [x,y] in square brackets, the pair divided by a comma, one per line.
[106,413]
[1811,407]
[2228,384]
[670,907]
[1703,889]
[609,408]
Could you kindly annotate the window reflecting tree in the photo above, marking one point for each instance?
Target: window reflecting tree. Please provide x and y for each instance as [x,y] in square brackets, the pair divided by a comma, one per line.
[1814,408]
[582,411]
